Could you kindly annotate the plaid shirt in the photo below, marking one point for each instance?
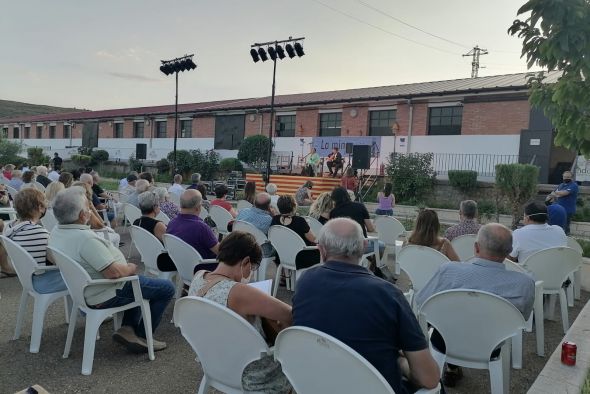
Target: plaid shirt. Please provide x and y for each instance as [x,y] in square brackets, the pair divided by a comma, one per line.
[466,226]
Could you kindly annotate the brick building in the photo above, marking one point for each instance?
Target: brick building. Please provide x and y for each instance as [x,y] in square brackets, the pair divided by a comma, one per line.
[466,123]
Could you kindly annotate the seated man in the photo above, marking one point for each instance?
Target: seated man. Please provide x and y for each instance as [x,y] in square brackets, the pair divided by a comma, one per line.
[189,227]
[485,272]
[468,223]
[104,261]
[259,215]
[176,188]
[141,185]
[557,214]
[536,233]
[368,314]
[99,205]
[335,162]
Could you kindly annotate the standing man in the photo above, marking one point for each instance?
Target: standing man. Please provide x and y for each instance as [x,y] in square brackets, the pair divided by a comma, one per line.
[57,161]
[566,195]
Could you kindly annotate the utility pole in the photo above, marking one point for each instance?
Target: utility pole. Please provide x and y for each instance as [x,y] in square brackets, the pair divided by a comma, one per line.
[475,53]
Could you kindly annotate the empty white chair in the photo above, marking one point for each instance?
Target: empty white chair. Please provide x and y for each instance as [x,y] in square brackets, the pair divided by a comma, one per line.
[554,266]
[222,361]
[77,280]
[163,218]
[420,263]
[243,204]
[149,248]
[314,225]
[261,239]
[464,246]
[288,244]
[577,277]
[221,217]
[389,229]
[49,221]
[25,267]
[487,322]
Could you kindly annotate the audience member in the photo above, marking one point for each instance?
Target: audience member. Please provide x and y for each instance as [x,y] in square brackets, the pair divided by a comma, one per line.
[386,201]
[7,171]
[42,176]
[344,207]
[250,192]
[123,182]
[166,206]
[536,233]
[28,179]
[221,199]
[53,175]
[303,195]
[189,227]
[557,214]
[131,182]
[566,195]
[320,209]
[76,172]
[99,205]
[397,346]
[102,260]
[176,187]
[467,221]
[271,189]
[426,234]
[16,181]
[239,256]
[66,178]
[5,200]
[141,185]
[96,189]
[259,214]
[148,177]
[195,181]
[51,191]
[349,181]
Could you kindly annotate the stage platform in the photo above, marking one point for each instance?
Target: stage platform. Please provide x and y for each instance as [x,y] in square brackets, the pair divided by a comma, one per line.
[288,184]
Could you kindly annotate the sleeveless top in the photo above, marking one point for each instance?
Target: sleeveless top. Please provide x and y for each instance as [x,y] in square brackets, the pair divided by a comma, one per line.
[147,223]
[385,202]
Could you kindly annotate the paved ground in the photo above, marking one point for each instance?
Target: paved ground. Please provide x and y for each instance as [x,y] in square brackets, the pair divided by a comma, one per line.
[174,369]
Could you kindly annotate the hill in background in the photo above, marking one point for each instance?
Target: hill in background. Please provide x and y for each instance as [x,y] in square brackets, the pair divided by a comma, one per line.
[10,109]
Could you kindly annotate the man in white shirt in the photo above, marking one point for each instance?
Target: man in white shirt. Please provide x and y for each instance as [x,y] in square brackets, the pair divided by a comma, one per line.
[176,188]
[53,175]
[536,234]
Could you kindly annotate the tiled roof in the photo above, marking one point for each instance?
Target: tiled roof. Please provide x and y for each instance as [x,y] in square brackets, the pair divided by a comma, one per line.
[497,83]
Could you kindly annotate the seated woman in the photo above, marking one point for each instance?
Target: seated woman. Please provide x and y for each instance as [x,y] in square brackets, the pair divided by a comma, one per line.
[28,179]
[150,208]
[166,206]
[303,195]
[320,209]
[349,181]
[250,192]
[239,255]
[386,201]
[28,232]
[426,234]
[66,178]
[288,218]
[51,191]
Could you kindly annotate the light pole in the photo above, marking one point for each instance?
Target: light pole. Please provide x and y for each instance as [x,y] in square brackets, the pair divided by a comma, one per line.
[173,66]
[275,50]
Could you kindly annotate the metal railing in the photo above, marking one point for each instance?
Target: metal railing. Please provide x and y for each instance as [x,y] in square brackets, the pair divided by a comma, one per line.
[484,164]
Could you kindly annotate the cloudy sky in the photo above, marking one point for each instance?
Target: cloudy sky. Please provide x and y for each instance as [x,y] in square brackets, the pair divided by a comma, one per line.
[106,53]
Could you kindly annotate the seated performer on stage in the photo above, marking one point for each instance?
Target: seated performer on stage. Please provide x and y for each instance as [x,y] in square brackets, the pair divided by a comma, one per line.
[334,162]
[312,162]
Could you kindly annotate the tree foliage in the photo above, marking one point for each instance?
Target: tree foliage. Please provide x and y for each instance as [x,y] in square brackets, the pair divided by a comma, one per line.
[254,151]
[464,180]
[36,156]
[9,152]
[412,175]
[516,184]
[206,163]
[556,37]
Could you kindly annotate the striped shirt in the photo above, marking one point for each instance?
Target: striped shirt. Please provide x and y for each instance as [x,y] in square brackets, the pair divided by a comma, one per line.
[32,237]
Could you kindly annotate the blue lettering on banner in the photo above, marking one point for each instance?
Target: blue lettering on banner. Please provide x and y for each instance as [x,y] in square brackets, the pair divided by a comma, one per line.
[324,145]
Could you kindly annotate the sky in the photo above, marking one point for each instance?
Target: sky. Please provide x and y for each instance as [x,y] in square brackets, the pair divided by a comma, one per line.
[106,53]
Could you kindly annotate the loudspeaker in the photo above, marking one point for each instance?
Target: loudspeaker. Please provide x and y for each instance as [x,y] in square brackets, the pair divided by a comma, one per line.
[140,151]
[349,147]
[361,157]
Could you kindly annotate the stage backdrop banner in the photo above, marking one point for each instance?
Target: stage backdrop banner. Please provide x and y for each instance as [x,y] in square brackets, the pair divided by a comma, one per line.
[324,145]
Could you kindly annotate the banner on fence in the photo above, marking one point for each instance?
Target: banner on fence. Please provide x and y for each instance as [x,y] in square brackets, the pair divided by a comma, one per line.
[324,145]
[582,169]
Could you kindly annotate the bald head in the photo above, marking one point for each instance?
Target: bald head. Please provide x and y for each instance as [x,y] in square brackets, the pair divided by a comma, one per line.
[494,242]
[341,239]
[262,201]
[190,201]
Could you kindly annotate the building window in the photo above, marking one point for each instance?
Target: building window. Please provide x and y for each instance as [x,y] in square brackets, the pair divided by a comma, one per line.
[67,131]
[445,120]
[118,130]
[330,124]
[138,129]
[186,128]
[285,126]
[39,131]
[15,133]
[52,132]
[381,122]
[161,129]
[27,132]
[5,132]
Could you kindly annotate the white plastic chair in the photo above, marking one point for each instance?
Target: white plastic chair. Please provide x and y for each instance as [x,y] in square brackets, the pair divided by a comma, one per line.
[464,246]
[288,244]
[175,198]
[577,277]
[221,217]
[261,239]
[487,322]
[149,248]
[420,263]
[554,266]
[389,230]
[222,360]
[77,280]
[314,225]
[25,266]
[39,186]
[132,213]
[204,213]
[11,190]
[49,221]
[163,218]
[243,204]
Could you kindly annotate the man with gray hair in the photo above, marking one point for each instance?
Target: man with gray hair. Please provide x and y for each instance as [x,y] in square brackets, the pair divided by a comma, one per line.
[42,176]
[141,185]
[195,181]
[367,313]
[260,214]
[102,260]
[467,224]
[176,187]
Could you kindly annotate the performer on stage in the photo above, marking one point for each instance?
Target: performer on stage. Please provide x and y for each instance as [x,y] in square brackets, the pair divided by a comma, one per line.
[312,162]
[335,162]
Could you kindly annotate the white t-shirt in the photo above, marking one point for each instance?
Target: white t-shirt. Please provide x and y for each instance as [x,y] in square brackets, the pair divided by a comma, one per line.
[176,189]
[534,237]
[53,175]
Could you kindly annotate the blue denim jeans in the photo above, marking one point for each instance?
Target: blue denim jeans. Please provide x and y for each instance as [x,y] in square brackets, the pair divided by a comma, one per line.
[371,246]
[159,292]
[48,282]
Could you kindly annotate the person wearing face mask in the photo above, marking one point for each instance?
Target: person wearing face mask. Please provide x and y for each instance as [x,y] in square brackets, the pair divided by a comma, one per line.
[28,232]
[566,195]
[239,255]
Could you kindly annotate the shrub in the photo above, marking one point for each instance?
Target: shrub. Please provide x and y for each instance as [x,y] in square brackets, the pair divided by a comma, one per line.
[9,152]
[163,166]
[516,184]
[254,151]
[412,175]
[486,209]
[184,161]
[36,156]
[81,160]
[206,163]
[99,156]
[230,164]
[134,164]
[464,180]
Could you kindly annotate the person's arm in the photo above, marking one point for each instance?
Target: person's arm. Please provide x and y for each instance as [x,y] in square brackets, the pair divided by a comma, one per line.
[561,193]
[249,301]
[392,201]
[233,212]
[215,249]
[160,230]
[117,270]
[420,368]
[310,236]
[369,225]
[450,251]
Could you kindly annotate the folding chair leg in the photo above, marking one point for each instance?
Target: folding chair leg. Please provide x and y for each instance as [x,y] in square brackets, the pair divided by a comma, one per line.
[570,291]
[577,283]
[564,313]
[67,307]
[539,323]
[204,386]
[147,324]
[550,312]
[39,310]
[20,317]
[277,279]
[92,325]
[71,327]
[517,351]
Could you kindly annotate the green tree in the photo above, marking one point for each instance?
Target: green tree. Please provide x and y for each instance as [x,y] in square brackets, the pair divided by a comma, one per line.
[556,37]
[412,175]
[206,163]
[184,161]
[254,151]
[9,152]
[36,156]
[516,184]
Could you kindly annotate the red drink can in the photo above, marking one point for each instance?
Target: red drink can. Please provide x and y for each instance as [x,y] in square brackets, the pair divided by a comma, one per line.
[568,353]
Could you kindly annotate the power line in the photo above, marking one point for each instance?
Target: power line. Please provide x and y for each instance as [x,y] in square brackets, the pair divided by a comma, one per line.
[384,30]
[412,26]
